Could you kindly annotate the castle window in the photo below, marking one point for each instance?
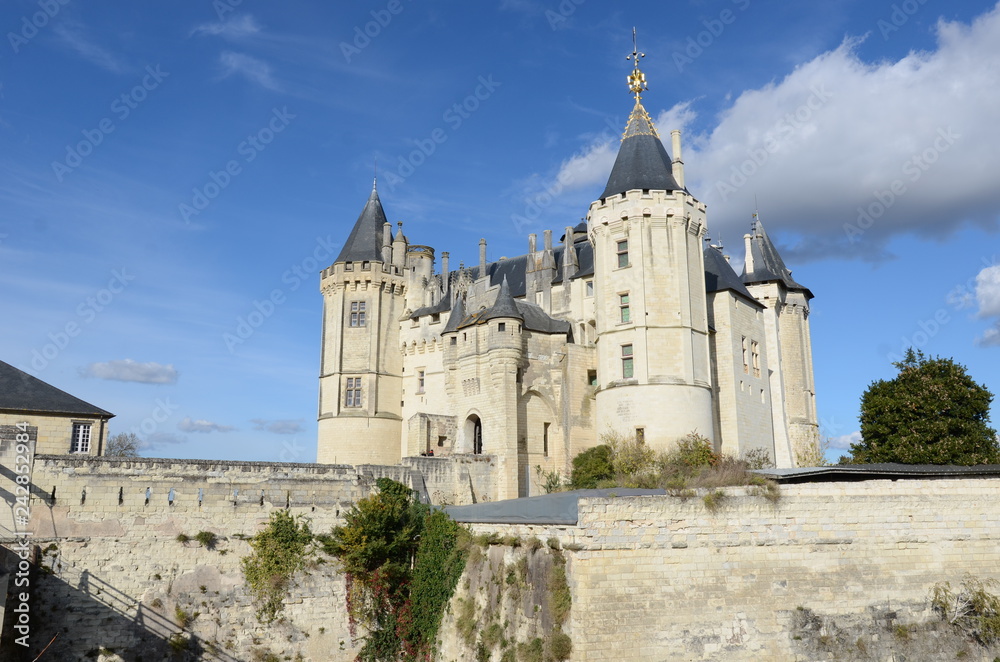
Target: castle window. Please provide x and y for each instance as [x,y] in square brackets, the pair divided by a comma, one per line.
[80,442]
[755,354]
[592,377]
[640,435]
[589,288]
[365,266]
[352,394]
[454,340]
[623,253]
[746,358]
[501,326]
[628,368]
[623,307]
[420,381]
[358,313]
[435,318]
[545,439]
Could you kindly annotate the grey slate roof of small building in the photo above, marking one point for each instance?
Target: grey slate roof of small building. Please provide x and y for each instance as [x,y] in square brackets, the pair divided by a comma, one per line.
[767,263]
[642,161]
[883,471]
[557,508]
[532,316]
[719,276]
[365,242]
[23,392]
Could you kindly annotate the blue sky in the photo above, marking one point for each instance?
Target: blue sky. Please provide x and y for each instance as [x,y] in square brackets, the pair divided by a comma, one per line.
[170,172]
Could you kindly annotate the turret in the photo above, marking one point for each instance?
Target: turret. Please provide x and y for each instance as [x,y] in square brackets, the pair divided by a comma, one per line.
[361,366]
[652,326]
[789,346]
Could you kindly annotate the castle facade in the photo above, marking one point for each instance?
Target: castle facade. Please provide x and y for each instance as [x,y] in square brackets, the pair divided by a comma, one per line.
[630,323]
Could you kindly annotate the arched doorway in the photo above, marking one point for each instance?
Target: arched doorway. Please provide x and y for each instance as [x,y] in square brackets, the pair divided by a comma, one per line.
[474,433]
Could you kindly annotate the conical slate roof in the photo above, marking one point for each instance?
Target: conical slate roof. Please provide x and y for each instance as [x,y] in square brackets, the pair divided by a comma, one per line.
[365,242]
[456,317]
[504,306]
[763,264]
[642,161]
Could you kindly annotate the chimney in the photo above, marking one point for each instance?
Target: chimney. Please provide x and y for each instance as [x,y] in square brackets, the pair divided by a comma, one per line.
[532,241]
[548,240]
[386,243]
[444,268]
[482,258]
[748,259]
[678,163]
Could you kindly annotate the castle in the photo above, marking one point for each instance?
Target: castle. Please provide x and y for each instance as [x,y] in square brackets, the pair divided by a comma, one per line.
[632,323]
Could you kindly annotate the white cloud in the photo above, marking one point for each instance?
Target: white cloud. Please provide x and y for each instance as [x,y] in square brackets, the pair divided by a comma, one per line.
[277,427]
[233,28]
[73,35]
[988,291]
[990,337]
[254,70]
[128,370]
[844,441]
[836,136]
[200,425]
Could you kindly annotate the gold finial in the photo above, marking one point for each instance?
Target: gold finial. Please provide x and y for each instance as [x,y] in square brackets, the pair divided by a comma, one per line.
[637,79]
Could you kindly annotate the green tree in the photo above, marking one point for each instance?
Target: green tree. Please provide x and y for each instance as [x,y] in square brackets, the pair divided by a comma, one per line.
[931,413]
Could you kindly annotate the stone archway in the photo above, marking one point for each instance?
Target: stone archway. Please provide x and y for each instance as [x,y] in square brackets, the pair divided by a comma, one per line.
[473,430]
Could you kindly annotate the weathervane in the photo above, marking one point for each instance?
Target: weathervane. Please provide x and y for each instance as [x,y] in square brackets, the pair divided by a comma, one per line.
[637,79]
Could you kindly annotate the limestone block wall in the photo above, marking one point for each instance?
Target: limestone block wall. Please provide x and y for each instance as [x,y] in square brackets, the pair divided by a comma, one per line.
[664,578]
[55,431]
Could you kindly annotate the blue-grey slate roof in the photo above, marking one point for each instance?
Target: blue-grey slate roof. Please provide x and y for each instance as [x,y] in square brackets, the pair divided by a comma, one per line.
[719,276]
[504,306]
[642,161]
[767,263]
[23,392]
[365,242]
[557,508]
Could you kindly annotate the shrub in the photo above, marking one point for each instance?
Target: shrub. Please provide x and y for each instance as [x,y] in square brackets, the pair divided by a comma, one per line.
[279,551]
[974,609]
[183,538]
[590,467]
[207,539]
[561,646]
[694,451]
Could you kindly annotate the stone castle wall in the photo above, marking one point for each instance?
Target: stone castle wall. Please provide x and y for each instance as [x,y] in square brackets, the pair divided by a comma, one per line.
[664,578]
[652,578]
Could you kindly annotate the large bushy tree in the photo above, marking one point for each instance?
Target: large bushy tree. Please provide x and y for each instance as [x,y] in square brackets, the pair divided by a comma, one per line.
[933,412]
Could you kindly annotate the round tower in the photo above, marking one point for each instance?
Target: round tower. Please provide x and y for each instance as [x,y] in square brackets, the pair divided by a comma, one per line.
[654,371]
[360,381]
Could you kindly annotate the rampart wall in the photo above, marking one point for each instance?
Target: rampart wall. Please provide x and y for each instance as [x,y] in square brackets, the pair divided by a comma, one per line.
[652,578]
